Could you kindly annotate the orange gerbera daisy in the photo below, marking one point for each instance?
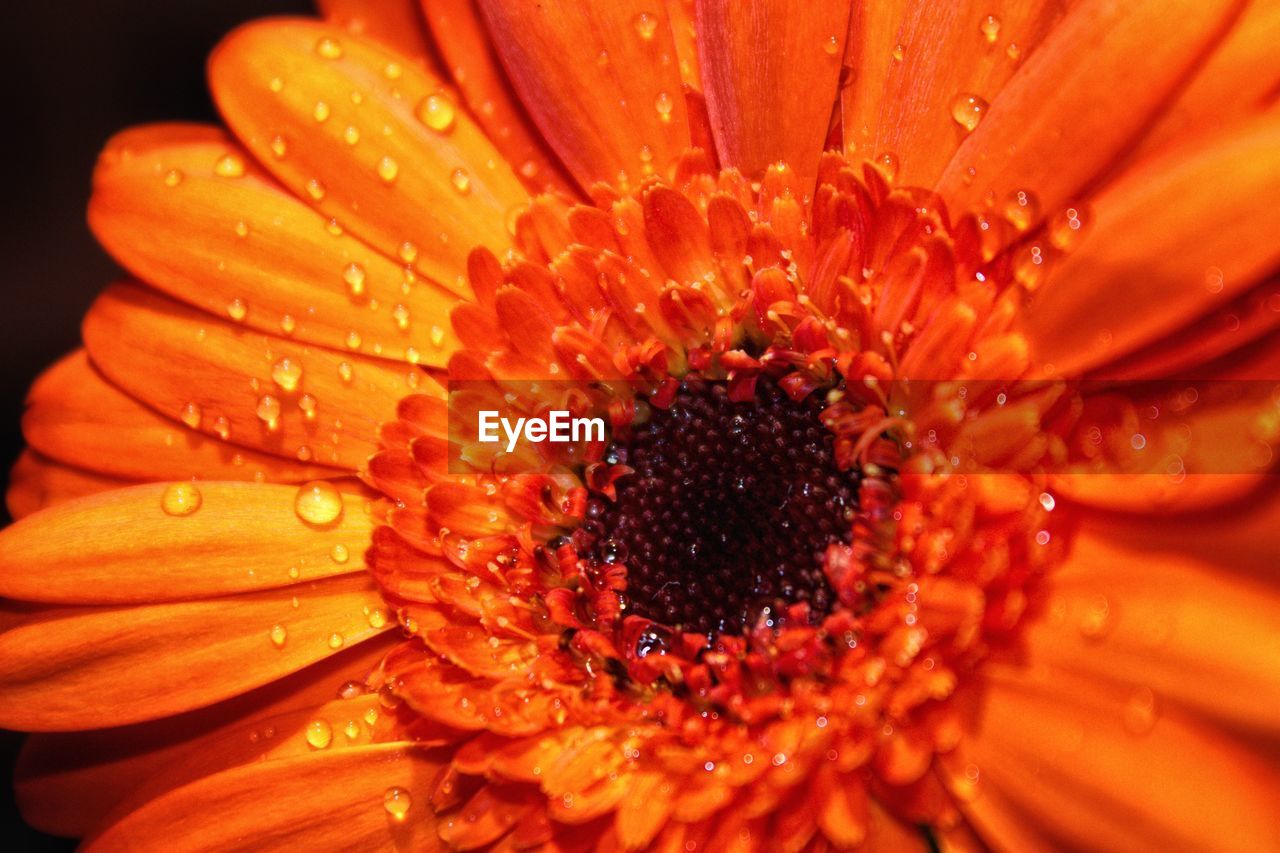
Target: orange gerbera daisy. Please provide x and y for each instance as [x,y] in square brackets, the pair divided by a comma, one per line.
[886,544]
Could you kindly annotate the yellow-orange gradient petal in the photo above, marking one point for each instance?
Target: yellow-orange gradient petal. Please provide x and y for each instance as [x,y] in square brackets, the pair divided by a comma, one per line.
[396,23]
[596,83]
[1080,766]
[769,73]
[353,130]
[143,663]
[1241,77]
[1172,238]
[223,236]
[36,481]
[364,798]
[242,537]
[67,782]
[76,416]
[922,73]
[260,391]
[1080,99]
[464,44]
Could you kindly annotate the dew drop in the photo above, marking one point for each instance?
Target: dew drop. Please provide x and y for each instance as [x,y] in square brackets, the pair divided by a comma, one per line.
[888,165]
[329,49]
[307,405]
[831,45]
[388,169]
[173,177]
[663,104]
[276,85]
[408,252]
[345,371]
[229,166]
[1096,618]
[461,181]
[278,635]
[899,51]
[278,147]
[1068,227]
[181,499]
[336,640]
[396,801]
[401,315]
[990,28]
[353,339]
[354,276]
[319,734]
[286,373]
[222,427]
[315,189]
[351,729]
[192,415]
[242,229]
[351,134]
[437,112]
[377,618]
[1140,711]
[968,110]
[437,336]
[268,411]
[320,112]
[236,309]
[288,324]
[339,554]
[1029,266]
[318,502]
[646,25]
[1022,209]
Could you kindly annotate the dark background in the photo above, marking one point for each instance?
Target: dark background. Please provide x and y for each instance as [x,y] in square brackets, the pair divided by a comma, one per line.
[75,73]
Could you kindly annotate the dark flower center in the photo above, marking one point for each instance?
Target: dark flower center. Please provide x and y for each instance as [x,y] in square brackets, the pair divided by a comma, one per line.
[730,509]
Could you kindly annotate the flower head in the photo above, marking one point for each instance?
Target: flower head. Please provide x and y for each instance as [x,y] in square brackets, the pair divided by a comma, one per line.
[900,323]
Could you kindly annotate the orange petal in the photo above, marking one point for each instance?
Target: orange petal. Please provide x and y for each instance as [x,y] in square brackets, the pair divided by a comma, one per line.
[342,799]
[66,783]
[464,44]
[170,356]
[37,481]
[444,191]
[396,23]
[77,417]
[595,82]
[143,663]
[1080,99]
[124,546]
[1238,79]
[1171,238]
[917,61]
[684,34]
[1066,760]
[1184,630]
[230,240]
[769,71]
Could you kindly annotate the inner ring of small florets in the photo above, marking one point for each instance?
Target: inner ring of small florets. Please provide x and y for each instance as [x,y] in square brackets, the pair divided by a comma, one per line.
[725,518]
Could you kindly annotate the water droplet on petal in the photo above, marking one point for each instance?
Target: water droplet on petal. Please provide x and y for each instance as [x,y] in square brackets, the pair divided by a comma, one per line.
[437,112]
[286,373]
[388,169]
[229,166]
[192,415]
[990,28]
[236,309]
[1022,209]
[397,802]
[354,276]
[1068,227]
[351,134]
[278,146]
[173,177]
[328,48]
[663,104]
[968,110]
[288,324]
[320,112]
[1140,712]
[319,734]
[181,499]
[318,502]
[461,181]
[278,635]
[336,640]
[339,554]
[831,45]
[315,189]
[1096,618]
[268,411]
[646,25]
[899,51]
[345,371]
